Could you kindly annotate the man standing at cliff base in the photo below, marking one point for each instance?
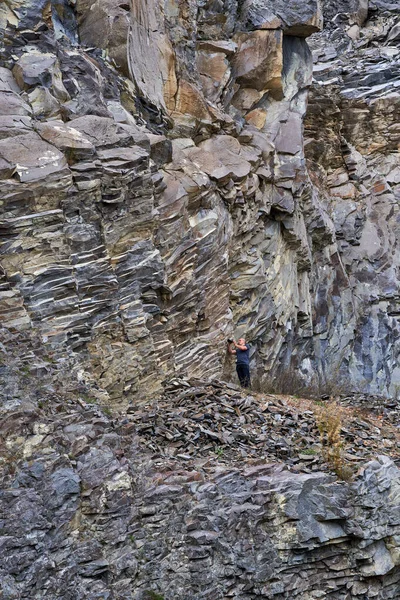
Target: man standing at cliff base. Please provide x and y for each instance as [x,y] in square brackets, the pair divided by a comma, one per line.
[241,349]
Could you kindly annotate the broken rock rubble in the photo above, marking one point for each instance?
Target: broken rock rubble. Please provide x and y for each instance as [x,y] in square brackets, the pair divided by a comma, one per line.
[195,419]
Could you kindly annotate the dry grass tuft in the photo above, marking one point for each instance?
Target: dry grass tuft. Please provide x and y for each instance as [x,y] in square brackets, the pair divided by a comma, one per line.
[329,418]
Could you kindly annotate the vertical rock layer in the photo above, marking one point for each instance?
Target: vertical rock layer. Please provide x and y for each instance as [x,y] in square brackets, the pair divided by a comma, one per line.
[352,145]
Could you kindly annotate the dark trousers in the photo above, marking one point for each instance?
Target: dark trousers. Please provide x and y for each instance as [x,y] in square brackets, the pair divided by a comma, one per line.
[243,372]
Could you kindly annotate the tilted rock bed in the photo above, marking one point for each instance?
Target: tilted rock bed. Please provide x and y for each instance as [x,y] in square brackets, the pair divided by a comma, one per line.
[219,421]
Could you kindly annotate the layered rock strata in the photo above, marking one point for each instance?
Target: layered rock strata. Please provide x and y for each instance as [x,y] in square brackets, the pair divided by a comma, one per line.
[156,199]
[352,147]
[87,511]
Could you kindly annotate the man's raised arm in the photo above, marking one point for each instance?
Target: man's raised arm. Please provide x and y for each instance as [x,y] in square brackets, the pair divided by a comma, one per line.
[230,349]
[241,346]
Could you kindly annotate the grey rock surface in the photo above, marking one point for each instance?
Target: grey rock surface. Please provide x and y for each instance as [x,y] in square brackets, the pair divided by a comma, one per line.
[95,505]
[296,18]
[172,175]
[157,198]
[86,512]
[355,160]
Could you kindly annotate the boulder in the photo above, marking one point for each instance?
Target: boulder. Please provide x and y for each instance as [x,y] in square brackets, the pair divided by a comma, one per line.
[259,61]
[7,81]
[12,104]
[299,17]
[44,104]
[34,69]
[105,24]
[31,157]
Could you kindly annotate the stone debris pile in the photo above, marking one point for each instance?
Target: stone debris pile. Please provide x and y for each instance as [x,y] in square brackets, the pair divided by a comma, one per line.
[195,419]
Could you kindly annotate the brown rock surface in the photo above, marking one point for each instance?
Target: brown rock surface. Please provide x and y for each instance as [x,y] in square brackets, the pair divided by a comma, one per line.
[105,25]
[259,61]
[190,102]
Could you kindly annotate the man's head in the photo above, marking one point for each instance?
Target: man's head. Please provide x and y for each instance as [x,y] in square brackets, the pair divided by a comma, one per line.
[242,341]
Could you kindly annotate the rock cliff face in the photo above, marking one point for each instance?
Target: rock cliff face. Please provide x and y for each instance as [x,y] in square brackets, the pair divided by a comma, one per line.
[88,512]
[171,174]
[352,145]
[156,198]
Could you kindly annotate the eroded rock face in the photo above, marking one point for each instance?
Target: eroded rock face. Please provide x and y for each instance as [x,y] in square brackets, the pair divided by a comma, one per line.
[155,199]
[352,148]
[155,195]
[88,511]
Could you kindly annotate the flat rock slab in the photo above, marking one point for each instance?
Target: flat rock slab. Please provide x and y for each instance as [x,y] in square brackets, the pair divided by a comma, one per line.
[66,138]
[222,157]
[290,137]
[299,17]
[31,157]
[104,132]
[127,158]
[12,125]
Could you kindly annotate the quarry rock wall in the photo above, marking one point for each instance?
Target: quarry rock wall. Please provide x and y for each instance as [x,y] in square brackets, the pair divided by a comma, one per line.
[173,174]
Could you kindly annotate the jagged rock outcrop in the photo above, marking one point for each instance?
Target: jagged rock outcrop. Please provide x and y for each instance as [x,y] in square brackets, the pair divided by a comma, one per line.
[88,511]
[156,198]
[151,201]
[352,146]
[159,193]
